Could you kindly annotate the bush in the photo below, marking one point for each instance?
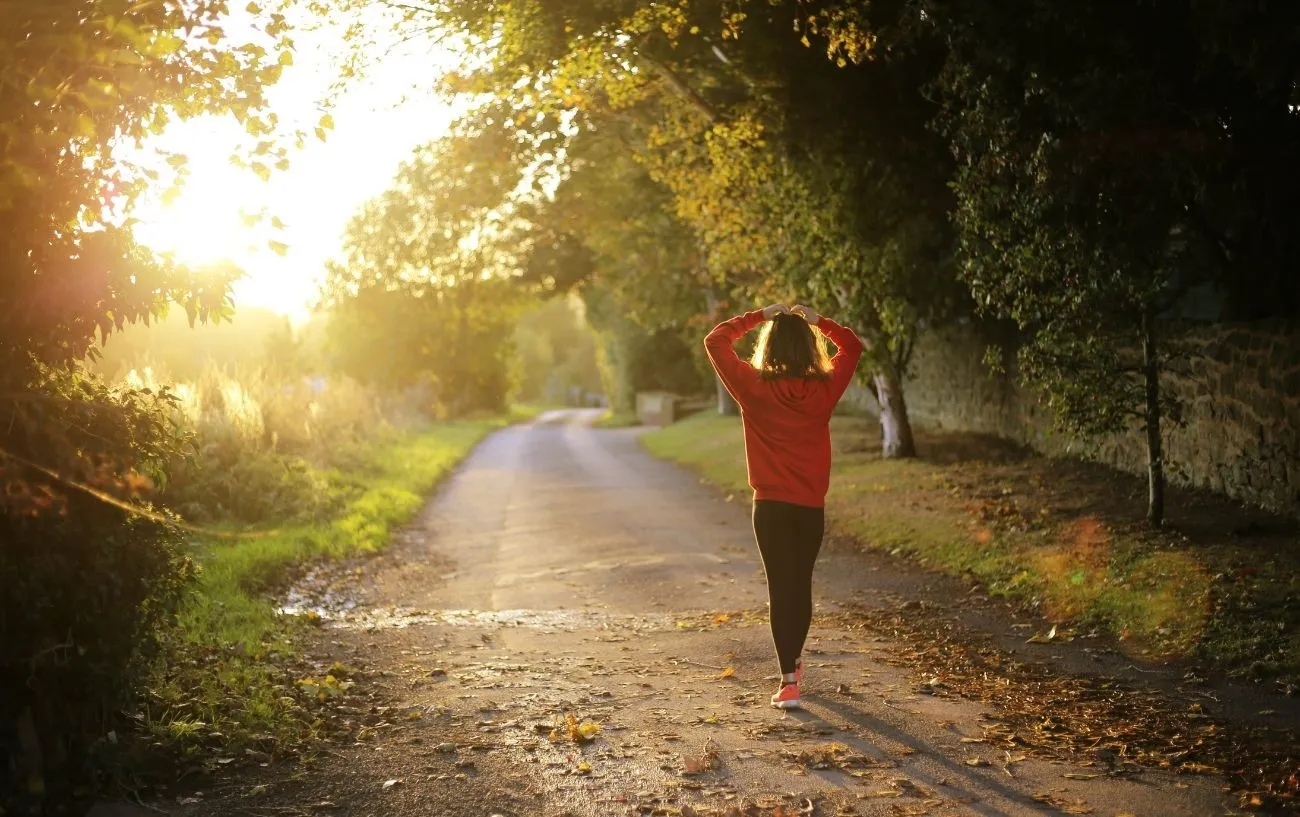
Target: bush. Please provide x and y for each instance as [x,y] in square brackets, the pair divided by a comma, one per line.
[83,599]
[86,585]
[259,440]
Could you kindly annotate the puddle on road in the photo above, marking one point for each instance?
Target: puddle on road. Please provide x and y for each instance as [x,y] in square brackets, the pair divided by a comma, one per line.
[334,603]
[349,617]
[319,593]
[532,619]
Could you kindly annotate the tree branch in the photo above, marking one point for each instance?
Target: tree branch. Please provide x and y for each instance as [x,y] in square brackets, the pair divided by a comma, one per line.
[679,86]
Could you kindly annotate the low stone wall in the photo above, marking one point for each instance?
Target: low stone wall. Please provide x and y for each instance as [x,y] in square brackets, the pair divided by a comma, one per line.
[1241,404]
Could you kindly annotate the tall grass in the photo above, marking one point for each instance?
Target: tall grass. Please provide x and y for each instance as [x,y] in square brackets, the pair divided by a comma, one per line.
[266,447]
[285,471]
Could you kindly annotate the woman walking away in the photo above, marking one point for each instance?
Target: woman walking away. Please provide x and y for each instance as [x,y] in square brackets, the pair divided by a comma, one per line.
[786,394]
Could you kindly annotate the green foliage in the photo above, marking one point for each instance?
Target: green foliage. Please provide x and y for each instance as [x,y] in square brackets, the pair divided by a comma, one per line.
[555,352]
[633,358]
[707,151]
[1070,232]
[86,598]
[85,588]
[254,442]
[422,295]
[1093,193]
[79,77]
[608,230]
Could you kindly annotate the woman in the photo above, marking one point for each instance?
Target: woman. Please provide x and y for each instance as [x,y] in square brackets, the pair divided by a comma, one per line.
[786,394]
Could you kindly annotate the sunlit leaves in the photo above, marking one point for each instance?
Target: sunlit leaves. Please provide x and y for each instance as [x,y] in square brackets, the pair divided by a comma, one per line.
[79,79]
[425,281]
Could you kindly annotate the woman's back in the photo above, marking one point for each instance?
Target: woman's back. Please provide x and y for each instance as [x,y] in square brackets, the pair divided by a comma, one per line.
[785,404]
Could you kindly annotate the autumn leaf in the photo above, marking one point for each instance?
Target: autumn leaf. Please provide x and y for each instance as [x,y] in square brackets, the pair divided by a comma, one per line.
[1039,638]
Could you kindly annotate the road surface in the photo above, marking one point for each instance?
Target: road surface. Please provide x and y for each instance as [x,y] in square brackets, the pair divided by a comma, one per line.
[563,571]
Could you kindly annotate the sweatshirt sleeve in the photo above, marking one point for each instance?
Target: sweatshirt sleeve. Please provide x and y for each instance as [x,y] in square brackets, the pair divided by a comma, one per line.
[848,352]
[737,375]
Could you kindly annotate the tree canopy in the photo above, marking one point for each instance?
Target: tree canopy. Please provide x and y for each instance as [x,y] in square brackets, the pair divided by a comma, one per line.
[79,80]
[422,293]
[1111,161]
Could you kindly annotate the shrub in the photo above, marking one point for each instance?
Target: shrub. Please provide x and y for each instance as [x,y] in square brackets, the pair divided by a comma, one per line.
[86,586]
[259,438]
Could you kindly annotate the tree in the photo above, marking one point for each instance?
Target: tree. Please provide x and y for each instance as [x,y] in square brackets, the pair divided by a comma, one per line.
[1099,154]
[422,290]
[608,231]
[76,79]
[79,78]
[786,181]
[556,351]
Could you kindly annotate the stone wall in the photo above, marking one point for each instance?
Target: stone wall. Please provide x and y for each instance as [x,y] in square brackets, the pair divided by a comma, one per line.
[1241,399]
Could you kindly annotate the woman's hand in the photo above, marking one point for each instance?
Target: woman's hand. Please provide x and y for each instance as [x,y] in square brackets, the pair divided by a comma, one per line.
[770,312]
[807,313]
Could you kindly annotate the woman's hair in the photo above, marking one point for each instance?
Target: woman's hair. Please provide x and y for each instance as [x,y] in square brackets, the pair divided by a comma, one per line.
[789,347]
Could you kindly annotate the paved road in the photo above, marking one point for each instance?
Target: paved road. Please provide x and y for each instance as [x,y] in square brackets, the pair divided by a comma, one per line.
[563,571]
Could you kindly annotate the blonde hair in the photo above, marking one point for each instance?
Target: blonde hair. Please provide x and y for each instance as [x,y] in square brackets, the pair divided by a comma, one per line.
[788,347]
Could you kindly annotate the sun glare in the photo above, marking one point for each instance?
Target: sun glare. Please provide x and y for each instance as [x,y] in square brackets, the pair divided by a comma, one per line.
[203,223]
[282,232]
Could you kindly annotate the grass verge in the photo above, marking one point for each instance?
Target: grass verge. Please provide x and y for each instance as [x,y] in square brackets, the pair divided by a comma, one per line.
[1220,584]
[617,419]
[232,683]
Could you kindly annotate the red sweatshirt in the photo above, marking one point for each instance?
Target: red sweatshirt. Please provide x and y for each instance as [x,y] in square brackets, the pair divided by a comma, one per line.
[787,420]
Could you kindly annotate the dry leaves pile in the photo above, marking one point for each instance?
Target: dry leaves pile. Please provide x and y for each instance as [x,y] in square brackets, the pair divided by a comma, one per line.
[1105,725]
[832,756]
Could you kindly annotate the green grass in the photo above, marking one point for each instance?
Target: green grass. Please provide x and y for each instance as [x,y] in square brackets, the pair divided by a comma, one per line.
[231,606]
[231,667]
[523,412]
[617,419]
[1025,529]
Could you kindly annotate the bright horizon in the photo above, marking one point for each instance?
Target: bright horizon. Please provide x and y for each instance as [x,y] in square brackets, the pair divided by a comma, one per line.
[378,121]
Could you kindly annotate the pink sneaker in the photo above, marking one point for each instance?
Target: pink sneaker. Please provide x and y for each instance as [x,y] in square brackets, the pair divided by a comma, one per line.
[787,697]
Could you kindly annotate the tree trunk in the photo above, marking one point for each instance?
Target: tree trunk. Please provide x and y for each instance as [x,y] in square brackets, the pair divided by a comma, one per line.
[726,404]
[896,429]
[1155,448]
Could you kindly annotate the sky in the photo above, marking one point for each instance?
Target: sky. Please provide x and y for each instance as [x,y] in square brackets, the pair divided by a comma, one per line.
[378,121]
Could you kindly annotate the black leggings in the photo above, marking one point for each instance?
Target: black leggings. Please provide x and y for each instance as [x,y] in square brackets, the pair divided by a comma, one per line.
[789,537]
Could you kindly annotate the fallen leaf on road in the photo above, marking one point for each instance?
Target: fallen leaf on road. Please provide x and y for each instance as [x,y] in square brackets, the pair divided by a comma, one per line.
[707,762]
[1039,638]
[584,768]
[575,730]
[1063,805]
[388,784]
[729,672]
